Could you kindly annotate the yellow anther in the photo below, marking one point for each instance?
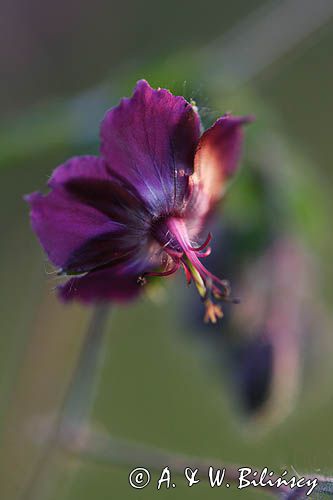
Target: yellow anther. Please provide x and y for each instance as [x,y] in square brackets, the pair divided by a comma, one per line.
[213,312]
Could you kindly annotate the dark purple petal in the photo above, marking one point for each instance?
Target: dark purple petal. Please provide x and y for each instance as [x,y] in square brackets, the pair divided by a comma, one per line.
[216,160]
[79,167]
[63,224]
[149,140]
[117,283]
[103,250]
[99,286]
[89,180]
[88,220]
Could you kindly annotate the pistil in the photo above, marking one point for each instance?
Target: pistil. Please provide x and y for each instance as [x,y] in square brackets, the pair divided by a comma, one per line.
[210,287]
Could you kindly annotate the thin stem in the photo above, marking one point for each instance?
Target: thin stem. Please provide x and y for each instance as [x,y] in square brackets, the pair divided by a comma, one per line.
[78,399]
[81,391]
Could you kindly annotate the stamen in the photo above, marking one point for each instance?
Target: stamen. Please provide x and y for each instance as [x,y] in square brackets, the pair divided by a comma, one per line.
[164,273]
[198,265]
[196,276]
[213,312]
[210,287]
[203,246]
[174,253]
[207,253]
[187,274]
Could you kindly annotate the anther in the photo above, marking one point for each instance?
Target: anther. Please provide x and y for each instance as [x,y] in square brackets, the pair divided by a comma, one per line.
[213,312]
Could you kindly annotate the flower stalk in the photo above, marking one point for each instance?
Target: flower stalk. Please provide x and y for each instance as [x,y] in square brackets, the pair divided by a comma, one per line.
[77,402]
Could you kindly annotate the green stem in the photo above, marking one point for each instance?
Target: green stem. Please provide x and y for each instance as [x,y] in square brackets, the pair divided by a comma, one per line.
[78,400]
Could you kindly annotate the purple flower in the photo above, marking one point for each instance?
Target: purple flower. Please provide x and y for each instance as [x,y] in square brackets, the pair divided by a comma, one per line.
[140,209]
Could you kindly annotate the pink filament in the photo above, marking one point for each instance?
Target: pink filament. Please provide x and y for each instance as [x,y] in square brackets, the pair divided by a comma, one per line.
[204,245]
[179,231]
[165,273]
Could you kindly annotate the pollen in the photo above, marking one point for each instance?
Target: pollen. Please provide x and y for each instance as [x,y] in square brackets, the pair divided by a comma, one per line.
[213,312]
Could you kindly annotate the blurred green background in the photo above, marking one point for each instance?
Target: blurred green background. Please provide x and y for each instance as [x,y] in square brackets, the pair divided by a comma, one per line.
[63,65]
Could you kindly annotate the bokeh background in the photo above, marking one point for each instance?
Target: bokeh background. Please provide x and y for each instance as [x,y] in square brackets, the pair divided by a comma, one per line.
[256,390]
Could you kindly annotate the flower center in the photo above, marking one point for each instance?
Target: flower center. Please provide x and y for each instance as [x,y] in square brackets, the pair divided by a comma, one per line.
[181,252]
